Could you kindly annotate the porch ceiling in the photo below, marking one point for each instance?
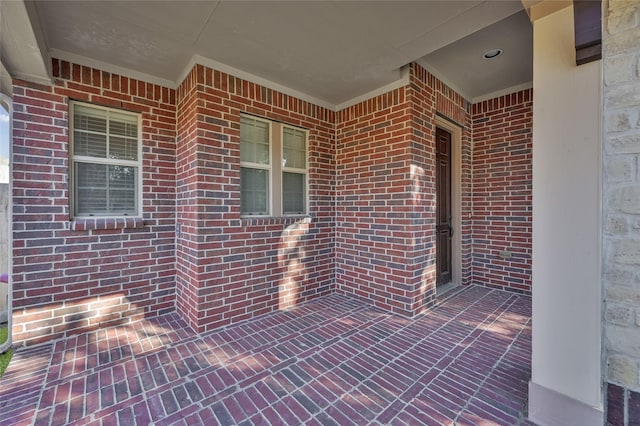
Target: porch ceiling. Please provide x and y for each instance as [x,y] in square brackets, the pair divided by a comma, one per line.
[330,51]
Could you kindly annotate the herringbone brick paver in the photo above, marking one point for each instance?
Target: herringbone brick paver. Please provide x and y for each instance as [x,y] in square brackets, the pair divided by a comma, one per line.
[332,361]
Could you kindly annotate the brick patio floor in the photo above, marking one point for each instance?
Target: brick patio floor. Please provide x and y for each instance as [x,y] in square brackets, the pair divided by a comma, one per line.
[331,361]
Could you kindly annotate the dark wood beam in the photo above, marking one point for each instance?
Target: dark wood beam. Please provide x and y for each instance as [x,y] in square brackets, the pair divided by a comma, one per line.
[587,17]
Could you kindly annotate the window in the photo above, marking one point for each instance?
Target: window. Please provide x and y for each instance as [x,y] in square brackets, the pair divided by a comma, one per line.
[273,168]
[105,161]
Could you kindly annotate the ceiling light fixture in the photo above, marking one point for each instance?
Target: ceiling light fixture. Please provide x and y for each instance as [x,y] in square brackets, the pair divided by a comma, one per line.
[493,53]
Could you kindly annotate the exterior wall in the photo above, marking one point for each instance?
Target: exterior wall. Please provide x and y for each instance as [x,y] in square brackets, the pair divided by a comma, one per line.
[72,275]
[422,200]
[373,214]
[502,174]
[369,231]
[565,386]
[433,102]
[621,201]
[232,268]
[385,199]
[188,164]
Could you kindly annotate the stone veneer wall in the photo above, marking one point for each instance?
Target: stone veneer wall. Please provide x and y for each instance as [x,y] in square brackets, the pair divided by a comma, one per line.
[621,214]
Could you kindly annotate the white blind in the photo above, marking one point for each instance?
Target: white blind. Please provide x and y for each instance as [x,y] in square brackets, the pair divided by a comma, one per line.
[293,193]
[254,184]
[106,161]
[255,171]
[273,168]
[254,141]
[294,148]
[90,132]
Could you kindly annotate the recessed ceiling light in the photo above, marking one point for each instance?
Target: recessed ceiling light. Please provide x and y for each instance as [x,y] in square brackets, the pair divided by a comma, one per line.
[493,53]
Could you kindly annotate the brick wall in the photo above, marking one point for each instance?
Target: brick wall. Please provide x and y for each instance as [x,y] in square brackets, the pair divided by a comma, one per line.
[187,208]
[373,201]
[369,232]
[502,198]
[433,99]
[423,191]
[70,276]
[230,268]
[621,212]
[385,198]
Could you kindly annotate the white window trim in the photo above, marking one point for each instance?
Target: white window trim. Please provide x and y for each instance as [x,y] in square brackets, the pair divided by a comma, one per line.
[276,154]
[96,160]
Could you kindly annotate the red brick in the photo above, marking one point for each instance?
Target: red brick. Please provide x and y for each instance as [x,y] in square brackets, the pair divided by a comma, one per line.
[85,84]
[371,233]
[502,175]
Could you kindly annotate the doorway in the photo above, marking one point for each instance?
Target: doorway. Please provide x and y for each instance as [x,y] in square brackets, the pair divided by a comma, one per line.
[444,211]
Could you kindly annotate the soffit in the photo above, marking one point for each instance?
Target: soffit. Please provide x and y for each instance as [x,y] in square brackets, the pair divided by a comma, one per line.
[332,51]
[462,64]
[22,48]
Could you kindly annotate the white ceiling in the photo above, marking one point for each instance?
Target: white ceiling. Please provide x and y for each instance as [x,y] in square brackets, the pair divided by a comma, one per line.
[328,51]
[461,63]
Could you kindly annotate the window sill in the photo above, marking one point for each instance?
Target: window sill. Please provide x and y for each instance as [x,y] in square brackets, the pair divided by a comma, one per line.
[266,220]
[103,223]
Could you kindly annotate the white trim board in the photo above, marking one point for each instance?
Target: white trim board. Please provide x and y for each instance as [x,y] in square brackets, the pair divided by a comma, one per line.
[548,407]
[403,79]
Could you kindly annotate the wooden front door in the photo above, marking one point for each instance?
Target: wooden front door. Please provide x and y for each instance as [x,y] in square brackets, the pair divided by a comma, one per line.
[444,231]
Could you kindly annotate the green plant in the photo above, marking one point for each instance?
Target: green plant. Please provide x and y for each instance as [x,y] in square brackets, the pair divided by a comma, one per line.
[5,357]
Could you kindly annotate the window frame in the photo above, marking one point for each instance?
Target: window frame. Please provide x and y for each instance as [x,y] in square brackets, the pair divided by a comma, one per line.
[304,172]
[73,159]
[275,205]
[259,166]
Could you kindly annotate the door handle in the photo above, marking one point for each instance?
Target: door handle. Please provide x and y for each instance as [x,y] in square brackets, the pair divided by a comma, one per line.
[450,230]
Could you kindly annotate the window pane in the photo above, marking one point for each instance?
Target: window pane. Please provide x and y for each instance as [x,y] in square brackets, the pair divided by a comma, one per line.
[123,132]
[123,148]
[122,189]
[123,125]
[293,193]
[92,125]
[294,148]
[89,144]
[110,188]
[105,189]
[254,141]
[91,184]
[89,119]
[254,191]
